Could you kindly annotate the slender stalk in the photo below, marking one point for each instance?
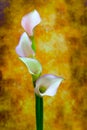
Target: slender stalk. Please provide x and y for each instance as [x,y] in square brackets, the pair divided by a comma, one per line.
[33,43]
[39,113]
[39,110]
[39,100]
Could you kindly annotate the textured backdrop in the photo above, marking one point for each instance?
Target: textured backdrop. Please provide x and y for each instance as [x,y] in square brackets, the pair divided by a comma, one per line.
[61,41]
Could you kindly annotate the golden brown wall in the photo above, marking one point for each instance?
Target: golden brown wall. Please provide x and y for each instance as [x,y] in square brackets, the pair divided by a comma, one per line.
[61,41]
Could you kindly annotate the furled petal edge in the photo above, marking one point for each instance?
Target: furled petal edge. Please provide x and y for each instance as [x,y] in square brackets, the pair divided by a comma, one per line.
[29,21]
[51,84]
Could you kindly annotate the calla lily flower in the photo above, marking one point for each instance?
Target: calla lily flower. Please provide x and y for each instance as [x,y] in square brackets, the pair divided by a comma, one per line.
[33,65]
[29,21]
[47,85]
[24,48]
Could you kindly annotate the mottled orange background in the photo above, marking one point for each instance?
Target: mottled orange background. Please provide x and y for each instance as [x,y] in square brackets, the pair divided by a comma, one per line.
[61,41]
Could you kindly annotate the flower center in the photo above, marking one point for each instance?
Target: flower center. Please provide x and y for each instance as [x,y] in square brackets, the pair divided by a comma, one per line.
[42,89]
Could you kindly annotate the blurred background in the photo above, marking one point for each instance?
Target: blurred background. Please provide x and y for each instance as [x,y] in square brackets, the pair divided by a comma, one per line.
[61,41]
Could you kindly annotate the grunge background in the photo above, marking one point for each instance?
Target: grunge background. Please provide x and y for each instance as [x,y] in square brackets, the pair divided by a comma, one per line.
[61,41]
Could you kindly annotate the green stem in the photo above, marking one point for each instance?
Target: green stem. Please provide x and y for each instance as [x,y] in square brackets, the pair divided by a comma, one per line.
[39,110]
[33,43]
[39,100]
[39,113]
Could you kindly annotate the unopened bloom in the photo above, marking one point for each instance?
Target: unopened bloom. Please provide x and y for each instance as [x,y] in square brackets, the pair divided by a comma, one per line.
[29,21]
[24,48]
[33,65]
[47,85]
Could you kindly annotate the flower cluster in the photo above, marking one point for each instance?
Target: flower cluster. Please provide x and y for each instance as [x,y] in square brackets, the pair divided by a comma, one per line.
[48,83]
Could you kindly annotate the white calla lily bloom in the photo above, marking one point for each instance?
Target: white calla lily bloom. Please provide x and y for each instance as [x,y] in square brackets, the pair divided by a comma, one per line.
[24,48]
[47,85]
[33,65]
[29,21]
